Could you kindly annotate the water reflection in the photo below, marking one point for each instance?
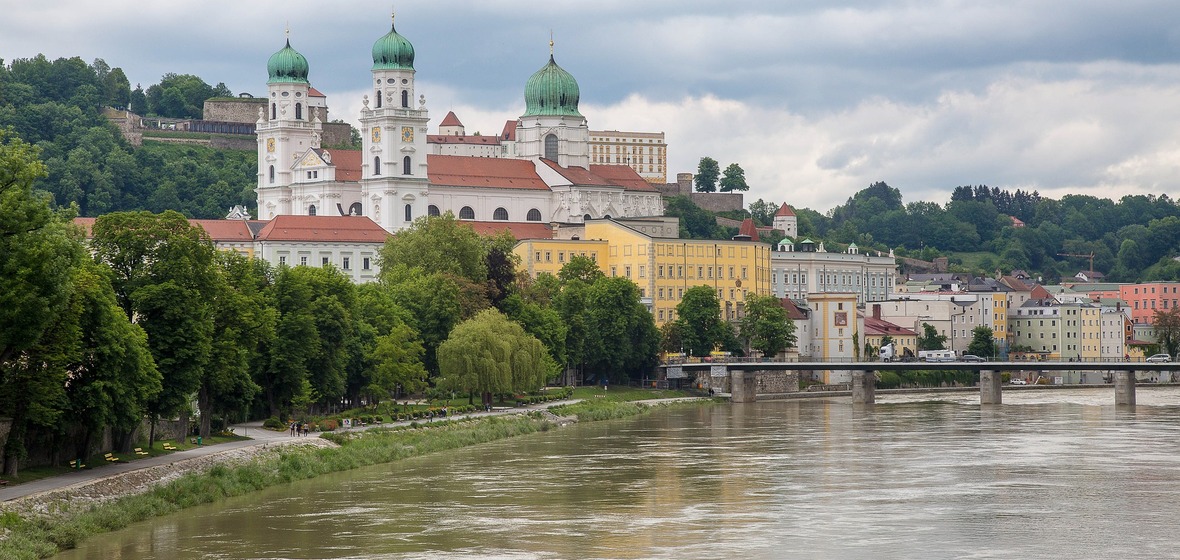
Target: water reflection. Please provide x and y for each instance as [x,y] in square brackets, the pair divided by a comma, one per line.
[1046,475]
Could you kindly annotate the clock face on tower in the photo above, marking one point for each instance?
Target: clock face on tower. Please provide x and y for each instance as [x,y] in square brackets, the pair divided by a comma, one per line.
[407,134]
[270,144]
[376,134]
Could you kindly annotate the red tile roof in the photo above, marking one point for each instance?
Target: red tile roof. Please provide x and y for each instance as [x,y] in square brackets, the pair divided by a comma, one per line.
[324,229]
[519,230]
[465,171]
[347,163]
[464,139]
[450,120]
[623,176]
[881,327]
[509,132]
[784,210]
[313,92]
[747,229]
[226,230]
[794,312]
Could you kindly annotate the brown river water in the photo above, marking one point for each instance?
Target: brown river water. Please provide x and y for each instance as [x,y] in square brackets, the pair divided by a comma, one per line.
[1048,474]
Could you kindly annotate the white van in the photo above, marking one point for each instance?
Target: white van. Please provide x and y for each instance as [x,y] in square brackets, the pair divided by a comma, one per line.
[936,355]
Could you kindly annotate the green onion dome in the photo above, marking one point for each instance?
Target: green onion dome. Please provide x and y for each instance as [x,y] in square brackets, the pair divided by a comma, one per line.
[393,52]
[551,91]
[287,65]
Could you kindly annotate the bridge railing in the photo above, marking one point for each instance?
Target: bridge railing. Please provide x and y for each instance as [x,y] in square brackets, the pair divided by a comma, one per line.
[677,360]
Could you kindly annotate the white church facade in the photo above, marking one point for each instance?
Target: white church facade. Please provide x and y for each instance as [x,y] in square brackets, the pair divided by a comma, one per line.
[394,179]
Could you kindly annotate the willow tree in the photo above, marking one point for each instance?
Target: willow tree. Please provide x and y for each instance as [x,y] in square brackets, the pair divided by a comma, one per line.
[490,354]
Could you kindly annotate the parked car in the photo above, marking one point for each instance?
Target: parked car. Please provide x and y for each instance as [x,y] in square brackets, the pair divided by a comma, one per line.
[1017,382]
[970,358]
[1159,358]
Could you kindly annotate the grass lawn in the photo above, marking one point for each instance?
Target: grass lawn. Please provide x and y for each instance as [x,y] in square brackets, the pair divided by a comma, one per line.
[624,394]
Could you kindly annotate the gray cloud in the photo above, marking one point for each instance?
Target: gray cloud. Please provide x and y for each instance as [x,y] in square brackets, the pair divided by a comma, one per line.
[816,99]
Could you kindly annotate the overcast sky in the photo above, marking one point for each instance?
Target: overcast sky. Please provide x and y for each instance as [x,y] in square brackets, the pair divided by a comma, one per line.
[815,99]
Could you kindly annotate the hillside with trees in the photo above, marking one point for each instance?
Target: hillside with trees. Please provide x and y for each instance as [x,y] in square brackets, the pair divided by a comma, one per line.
[58,107]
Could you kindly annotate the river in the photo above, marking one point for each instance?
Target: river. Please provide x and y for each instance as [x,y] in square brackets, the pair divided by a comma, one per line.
[1048,474]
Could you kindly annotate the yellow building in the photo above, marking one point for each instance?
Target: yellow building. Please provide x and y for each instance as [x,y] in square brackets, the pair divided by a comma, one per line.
[663,267]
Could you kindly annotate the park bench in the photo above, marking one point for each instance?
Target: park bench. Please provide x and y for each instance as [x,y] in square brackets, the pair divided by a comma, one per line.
[169,447]
[110,457]
[140,451]
[3,483]
[76,464]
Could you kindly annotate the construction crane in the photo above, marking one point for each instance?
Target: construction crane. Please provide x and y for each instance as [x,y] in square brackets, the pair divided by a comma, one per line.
[1090,256]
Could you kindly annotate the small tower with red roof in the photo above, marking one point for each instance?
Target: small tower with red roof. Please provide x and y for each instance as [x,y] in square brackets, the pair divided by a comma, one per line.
[786,221]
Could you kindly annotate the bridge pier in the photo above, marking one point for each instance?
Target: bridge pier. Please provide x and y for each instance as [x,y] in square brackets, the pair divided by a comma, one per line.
[990,391]
[1124,388]
[743,386]
[864,387]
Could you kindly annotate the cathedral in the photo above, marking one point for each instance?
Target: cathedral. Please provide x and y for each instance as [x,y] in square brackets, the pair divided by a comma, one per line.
[393,179]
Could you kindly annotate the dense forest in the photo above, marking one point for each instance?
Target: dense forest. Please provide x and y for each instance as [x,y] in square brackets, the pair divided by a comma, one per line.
[57,106]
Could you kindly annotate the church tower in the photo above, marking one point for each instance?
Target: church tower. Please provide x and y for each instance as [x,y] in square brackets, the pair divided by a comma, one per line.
[551,127]
[286,130]
[394,183]
[786,221]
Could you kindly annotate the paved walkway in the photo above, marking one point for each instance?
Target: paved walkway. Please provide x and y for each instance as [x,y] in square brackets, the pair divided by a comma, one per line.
[253,430]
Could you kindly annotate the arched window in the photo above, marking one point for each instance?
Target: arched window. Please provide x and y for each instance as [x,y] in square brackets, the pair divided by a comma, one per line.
[355,209]
[534,215]
[378,99]
[272,174]
[432,210]
[466,213]
[298,111]
[406,165]
[376,165]
[405,98]
[500,214]
[311,210]
[551,147]
[586,217]
[409,213]
[606,217]
[274,111]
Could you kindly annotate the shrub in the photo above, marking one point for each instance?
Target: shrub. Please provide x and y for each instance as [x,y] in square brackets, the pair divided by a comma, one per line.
[273,423]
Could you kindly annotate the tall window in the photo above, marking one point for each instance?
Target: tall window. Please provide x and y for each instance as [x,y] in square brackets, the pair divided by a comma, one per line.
[500,214]
[405,98]
[551,147]
[432,210]
[466,213]
[406,165]
[298,111]
[378,99]
[534,215]
[355,209]
[409,213]
[272,174]
[376,165]
[311,210]
[274,111]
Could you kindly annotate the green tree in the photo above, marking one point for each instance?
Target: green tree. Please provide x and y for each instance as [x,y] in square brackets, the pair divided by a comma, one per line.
[581,268]
[707,172]
[490,354]
[982,343]
[113,377]
[438,244]
[765,326]
[283,374]
[734,179]
[763,212]
[930,339]
[39,255]
[621,337]
[433,302]
[1166,323]
[699,315]
[164,279]
[695,222]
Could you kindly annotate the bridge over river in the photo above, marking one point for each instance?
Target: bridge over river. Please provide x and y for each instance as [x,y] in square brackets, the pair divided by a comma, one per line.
[744,376]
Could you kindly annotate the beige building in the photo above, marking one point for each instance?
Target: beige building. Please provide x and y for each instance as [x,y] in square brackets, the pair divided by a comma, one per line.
[645,152]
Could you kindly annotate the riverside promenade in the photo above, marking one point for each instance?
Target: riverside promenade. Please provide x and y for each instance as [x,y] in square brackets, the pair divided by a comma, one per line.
[199,457]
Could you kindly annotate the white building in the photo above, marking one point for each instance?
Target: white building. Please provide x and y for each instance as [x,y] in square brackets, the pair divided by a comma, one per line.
[798,270]
[402,174]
